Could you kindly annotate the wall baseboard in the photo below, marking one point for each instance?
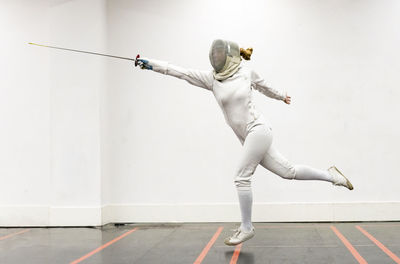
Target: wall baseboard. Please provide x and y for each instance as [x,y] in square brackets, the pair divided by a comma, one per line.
[262,212]
[13,216]
[29,215]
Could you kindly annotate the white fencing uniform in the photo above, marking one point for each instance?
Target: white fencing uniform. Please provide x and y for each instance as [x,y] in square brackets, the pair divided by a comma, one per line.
[234,96]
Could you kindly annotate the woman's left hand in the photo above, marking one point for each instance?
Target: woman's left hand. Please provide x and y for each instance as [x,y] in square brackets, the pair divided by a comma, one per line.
[287,99]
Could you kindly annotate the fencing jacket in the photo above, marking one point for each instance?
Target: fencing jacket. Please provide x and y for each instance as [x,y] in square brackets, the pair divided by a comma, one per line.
[234,94]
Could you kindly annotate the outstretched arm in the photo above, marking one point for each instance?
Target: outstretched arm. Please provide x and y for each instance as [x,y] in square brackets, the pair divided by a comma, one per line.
[260,85]
[202,79]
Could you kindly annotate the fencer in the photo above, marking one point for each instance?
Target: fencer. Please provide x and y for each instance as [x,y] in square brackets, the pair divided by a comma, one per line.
[232,84]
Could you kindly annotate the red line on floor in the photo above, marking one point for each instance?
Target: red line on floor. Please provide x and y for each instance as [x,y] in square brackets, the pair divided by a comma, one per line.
[208,246]
[379,244]
[103,246]
[236,254]
[10,235]
[350,247]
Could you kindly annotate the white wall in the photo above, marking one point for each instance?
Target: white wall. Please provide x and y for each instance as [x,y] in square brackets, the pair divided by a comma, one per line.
[171,155]
[24,112]
[87,140]
[50,112]
[76,82]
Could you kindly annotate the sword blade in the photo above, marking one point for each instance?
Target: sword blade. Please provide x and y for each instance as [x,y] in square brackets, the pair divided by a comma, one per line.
[88,52]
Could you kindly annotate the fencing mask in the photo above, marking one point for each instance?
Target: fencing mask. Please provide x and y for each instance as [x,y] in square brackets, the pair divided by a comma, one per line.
[225,58]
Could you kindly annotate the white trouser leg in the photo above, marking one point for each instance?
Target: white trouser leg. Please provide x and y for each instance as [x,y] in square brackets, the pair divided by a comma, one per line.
[255,146]
[278,164]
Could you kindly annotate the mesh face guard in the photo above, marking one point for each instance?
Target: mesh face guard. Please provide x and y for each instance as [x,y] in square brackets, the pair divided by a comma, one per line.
[218,54]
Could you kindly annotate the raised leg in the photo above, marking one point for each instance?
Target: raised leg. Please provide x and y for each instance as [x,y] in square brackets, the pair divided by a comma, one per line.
[278,164]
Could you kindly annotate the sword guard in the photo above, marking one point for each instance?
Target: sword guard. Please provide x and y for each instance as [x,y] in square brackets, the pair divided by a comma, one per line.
[136,61]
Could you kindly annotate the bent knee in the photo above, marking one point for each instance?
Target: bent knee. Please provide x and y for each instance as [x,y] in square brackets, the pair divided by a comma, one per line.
[243,185]
[242,178]
[289,173]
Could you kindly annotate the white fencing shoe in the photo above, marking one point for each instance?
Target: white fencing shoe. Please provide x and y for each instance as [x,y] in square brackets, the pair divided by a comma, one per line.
[239,237]
[339,178]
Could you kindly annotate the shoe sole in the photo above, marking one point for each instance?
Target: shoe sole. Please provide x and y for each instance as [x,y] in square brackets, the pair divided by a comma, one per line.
[350,186]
